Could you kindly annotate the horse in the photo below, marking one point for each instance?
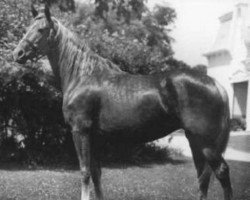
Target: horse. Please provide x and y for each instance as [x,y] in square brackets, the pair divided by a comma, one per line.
[102,101]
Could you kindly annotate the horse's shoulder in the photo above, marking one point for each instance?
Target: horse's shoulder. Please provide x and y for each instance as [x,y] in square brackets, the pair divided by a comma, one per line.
[80,96]
[82,103]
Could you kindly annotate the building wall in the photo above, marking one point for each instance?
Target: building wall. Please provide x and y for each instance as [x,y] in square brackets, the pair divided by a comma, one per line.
[220,59]
[227,56]
[239,108]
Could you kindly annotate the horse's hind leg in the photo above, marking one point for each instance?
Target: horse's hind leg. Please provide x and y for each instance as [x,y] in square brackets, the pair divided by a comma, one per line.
[203,170]
[220,168]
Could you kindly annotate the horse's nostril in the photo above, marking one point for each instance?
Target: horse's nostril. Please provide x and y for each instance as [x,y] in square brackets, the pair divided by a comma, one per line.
[20,53]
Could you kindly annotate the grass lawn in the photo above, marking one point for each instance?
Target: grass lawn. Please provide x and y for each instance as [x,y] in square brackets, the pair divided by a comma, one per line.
[155,182]
[241,143]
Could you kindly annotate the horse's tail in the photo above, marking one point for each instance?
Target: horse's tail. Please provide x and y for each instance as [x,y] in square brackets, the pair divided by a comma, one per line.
[223,137]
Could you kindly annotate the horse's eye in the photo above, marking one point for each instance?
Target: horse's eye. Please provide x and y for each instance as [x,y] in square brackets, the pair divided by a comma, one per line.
[41,30]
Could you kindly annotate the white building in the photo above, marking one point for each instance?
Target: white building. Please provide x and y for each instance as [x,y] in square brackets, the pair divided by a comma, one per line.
[229,58]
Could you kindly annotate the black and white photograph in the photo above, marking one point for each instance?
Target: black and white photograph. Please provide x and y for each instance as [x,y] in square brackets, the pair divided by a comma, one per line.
[124,99]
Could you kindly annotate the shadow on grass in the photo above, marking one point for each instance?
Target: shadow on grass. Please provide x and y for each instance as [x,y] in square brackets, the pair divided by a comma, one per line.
[15,166]
[140,155]
[113,156]
[146,164]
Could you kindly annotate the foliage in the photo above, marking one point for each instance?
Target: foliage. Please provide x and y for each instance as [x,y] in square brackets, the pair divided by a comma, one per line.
[201,68]
[64,5]
[13,20]
[134,154]
[127,33]
[32,124]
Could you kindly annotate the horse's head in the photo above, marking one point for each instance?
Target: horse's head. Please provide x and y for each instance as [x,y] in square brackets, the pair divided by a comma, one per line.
[37,41]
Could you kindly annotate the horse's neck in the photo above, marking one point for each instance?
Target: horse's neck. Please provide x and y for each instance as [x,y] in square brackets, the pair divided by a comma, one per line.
[70,63]
[54,63]
[63,60]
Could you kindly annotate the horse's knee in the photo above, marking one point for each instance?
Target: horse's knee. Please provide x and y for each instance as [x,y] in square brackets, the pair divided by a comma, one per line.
[222,171]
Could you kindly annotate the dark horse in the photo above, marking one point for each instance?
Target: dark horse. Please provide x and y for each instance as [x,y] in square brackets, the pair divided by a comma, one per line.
[100,100]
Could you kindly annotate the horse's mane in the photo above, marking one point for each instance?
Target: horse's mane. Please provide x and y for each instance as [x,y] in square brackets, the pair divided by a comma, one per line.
[77,59]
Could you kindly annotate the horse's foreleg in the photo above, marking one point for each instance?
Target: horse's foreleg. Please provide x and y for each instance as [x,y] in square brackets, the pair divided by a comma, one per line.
[95,169]
[82,145]
[203,172]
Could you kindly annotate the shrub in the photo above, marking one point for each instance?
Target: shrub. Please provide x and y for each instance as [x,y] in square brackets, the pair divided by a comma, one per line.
[134,154]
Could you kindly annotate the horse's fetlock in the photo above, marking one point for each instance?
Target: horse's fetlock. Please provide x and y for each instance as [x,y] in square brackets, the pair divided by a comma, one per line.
[85,175]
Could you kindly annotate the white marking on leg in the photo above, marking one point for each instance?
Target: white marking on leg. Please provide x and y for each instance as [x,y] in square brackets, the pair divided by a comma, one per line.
[85,193]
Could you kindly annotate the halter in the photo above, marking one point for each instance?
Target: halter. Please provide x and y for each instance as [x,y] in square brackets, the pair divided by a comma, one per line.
[38,53]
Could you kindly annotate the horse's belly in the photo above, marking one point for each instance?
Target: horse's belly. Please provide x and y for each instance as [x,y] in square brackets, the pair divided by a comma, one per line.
[140,117]
[135,127]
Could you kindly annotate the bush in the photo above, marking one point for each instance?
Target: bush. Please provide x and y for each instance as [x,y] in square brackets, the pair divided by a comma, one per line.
[31,118]
[134,154]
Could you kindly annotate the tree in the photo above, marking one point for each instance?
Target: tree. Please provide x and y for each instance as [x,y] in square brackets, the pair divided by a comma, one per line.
[174,64]
[200,68]
[128,33]
[64,5]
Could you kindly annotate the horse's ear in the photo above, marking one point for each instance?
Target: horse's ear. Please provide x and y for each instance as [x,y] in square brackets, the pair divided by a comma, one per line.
[47,12]
[34,11]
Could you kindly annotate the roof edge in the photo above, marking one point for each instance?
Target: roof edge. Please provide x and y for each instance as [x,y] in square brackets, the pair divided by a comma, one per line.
[226,17]
[210,53]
